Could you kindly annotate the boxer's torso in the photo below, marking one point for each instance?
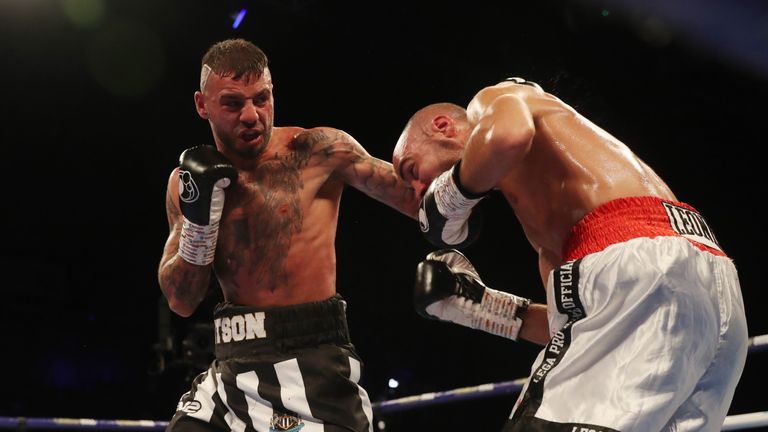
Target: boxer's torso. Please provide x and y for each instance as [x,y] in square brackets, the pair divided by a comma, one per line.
[277,233]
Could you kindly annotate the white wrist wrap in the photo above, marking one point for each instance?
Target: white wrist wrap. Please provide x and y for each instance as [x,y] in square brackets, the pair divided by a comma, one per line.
[451,203]
[454,206]
[495,314]
[198,242]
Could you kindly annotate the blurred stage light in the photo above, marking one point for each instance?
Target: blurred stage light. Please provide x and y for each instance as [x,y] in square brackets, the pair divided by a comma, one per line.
[127,59]
[238,18]
[393,383]
[84,13]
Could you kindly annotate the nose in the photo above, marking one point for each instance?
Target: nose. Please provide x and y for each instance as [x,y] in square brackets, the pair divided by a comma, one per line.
[249,114]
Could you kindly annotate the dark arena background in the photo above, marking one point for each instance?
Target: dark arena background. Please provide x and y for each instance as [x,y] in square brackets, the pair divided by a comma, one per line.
[97,105]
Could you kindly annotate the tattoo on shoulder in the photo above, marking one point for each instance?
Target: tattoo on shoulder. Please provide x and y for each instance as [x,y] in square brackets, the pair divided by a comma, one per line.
[303,147]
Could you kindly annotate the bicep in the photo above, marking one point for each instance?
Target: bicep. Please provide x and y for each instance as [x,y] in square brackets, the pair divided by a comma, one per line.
[173,214]
[172,208]
[501,137]
[510,120]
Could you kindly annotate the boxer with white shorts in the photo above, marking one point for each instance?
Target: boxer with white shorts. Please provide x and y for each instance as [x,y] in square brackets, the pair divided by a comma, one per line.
[644,327]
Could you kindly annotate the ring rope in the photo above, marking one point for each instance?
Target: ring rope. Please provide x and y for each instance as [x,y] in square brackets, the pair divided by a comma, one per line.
[733,422]
[745,421]
[59,423]
[756,344]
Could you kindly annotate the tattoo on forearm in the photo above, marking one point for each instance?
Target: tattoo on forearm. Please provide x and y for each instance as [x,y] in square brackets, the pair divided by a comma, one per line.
[371,174]
[183,283]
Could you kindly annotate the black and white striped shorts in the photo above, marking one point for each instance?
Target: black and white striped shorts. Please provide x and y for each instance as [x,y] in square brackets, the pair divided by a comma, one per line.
[280,369]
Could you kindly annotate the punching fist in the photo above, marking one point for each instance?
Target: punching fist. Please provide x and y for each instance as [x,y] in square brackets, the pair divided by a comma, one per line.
[448,288]
[447,213]
[204,173]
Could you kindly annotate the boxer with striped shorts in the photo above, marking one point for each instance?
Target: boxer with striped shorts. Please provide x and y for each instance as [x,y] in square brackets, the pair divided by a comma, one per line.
[259,212]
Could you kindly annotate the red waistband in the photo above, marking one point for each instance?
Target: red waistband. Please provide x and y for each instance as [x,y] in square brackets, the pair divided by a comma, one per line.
[623,219]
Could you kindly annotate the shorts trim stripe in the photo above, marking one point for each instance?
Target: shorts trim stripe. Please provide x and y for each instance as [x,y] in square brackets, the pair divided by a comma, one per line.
[567,300]
[354,376]
[293,393]
[235,423]
[259,409]
[203,386]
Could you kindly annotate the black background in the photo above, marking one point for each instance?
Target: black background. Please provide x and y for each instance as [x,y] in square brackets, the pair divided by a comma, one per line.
[96,110]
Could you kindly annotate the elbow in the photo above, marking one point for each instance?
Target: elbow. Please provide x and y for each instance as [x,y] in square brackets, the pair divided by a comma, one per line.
[179,296]
[175,304]
[180,308]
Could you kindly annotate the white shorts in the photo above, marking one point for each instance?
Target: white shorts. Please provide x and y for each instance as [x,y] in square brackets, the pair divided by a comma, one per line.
[648,334]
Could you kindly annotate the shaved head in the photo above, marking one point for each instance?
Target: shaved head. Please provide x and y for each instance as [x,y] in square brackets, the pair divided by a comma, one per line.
[419,129]
[431,142]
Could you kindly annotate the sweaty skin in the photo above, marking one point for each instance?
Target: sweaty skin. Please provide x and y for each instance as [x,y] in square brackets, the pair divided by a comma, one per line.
[278,227]
[552,165]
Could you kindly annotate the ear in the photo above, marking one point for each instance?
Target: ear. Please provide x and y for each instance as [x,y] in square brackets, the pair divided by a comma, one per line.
[444,125]
[200,105]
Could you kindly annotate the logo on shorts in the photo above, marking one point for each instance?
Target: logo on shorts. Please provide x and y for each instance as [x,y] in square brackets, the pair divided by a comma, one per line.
[589,428]
[188,190]
[690,225]
[282,422]
[189,407]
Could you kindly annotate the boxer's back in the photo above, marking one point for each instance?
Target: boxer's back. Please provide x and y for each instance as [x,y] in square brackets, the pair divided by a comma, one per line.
[572,167]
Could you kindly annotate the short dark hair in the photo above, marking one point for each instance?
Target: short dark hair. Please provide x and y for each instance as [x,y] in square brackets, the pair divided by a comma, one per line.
[235,58]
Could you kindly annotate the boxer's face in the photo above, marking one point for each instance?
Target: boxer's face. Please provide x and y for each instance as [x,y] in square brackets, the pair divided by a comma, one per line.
[418,160]
[240,111]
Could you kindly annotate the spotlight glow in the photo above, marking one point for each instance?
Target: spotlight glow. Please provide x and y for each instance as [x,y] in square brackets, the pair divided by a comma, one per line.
[239,18]
[393,384]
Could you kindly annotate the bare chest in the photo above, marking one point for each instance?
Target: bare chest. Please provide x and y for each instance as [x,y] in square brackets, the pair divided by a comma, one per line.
[263,214]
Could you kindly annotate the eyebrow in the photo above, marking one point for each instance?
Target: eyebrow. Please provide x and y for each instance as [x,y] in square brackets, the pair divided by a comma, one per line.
[237,95]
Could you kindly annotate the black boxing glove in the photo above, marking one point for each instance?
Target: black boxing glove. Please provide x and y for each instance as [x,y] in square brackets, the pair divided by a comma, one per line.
[448,288]
[447,214]
[204,173]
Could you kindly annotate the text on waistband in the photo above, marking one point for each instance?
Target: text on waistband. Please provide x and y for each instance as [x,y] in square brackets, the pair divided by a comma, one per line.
[240,327]
[690,225]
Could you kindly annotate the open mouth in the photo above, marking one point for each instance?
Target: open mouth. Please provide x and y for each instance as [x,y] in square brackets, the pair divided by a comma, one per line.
[250,136]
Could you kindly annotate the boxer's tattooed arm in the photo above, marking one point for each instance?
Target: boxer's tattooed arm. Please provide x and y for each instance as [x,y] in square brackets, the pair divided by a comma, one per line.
[183,284]
[302,148]
[173,212]
[368,174]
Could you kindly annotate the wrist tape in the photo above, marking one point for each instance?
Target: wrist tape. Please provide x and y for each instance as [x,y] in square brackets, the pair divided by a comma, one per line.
[499,313]
[450,200]
[198,242]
